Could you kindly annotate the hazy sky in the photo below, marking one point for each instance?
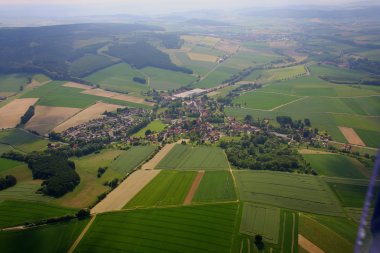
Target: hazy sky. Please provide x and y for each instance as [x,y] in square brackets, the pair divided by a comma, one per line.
[154,6]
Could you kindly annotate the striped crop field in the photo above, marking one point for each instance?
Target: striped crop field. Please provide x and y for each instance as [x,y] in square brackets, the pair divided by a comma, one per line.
[207,228]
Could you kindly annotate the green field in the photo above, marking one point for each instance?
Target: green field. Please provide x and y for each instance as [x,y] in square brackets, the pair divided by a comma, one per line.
[207,228]
[322,236]
[13,213]
[338,74]
[185,157]
[280,74]
[22,140]
[215,186]
[263,100]
[6,164]
[25,190]
[161,79]
[167,188]
[335,165]
[52,238]
[297,192]
[88,63]
[129,160]
[11,83]
[216,77]
[370,137]
[261,220]
[198,67]
[349,194]
[155,126]
[5,148]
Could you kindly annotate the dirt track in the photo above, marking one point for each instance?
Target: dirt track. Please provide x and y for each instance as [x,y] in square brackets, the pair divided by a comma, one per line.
[152,163]
[194,188]
[308,245]
[119,197]
[93,112]
[351,136]
[11,113]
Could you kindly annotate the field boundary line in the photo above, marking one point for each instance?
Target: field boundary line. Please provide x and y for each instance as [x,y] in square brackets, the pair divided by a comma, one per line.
[233,177]
[291,102]
[80,237]
[294,221]
[308,245]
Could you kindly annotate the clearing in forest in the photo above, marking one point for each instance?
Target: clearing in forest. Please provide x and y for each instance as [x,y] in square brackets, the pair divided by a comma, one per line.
[351,136]
[93,112]
[13,112]
[47,117]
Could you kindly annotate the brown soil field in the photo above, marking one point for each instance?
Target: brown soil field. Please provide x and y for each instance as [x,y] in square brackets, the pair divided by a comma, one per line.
[202,57]
[93,112]
[152,163]
[308,245]
[194,187]
[312,152]
[227,46]
[47,117]
[11,113]
[115,95]
[7,94]
[119,197]
[77,85]
[351,136]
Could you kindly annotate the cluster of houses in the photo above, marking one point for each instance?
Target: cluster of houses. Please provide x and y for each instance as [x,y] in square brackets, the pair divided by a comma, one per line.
[110,127]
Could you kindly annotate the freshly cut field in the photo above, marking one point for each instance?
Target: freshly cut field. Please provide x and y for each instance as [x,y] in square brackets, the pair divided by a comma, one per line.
[156,126]
[168,188]
[115,95]
[201,229]
[261,220]
[13,111]
[22,140]
[78,86]
[263,100]
[13,213]
[50,238]
[284,190]
[152,163]
[126,191]
[323,237]
[334,165]
[130,159]
[215,186]
[184,157]
[93,112]
[202,57]
[46,118]
[351,136]
[193,188]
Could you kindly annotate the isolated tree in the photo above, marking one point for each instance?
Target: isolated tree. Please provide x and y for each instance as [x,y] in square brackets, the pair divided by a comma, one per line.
[248,119]
[259,242]
[148,132]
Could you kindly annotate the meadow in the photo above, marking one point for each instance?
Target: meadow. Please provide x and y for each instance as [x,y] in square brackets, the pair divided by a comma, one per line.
[350,195]
[22,140]
[56,238]
[155,126]
[13,213]
[161,79]
[130,159]
[215,186]
[263,101]
[322,236]
[11,83]
[6,164]
[119,77]
[297,192]
[280,74]
[335,165]
[207,228]
[216,77]
[184,157]
[89,63]
[5,148]
[167,188]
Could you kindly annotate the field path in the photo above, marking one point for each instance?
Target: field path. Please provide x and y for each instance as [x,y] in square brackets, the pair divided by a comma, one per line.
[308,245]
[194,187]
[80,237]
[291,102]
[152,163]
[120,196]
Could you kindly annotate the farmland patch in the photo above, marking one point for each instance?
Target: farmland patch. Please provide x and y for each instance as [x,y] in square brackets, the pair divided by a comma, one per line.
[351,136]
[14,110]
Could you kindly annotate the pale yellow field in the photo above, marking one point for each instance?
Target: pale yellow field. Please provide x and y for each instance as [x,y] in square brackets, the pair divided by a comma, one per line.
[10,114]
[205,40]
[202,57]
[227,46]
[119,197]
[115,95]
[77,85]
[47,117]
[93,112]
